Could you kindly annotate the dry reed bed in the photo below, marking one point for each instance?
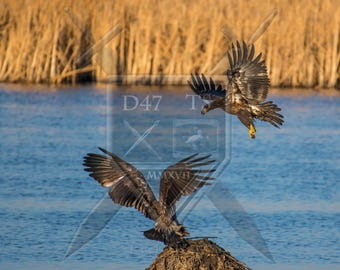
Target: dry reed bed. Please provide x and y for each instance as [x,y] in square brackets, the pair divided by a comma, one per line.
[41,41]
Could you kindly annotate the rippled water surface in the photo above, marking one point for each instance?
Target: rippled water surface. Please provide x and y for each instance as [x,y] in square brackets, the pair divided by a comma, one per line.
[287,180]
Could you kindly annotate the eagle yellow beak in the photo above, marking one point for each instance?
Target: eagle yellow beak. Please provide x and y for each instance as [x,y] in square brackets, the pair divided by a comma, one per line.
[204,110]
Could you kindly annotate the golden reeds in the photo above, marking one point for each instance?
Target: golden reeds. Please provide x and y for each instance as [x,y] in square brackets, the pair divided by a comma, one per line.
[85,40]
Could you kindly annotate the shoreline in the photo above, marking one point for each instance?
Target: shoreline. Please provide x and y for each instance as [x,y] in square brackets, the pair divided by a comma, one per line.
[273,91]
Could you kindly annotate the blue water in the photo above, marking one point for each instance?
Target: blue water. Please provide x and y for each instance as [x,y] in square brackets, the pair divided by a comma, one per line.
[286,179]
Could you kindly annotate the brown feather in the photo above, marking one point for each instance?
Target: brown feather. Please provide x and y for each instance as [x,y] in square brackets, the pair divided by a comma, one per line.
[128,185]
[181,179]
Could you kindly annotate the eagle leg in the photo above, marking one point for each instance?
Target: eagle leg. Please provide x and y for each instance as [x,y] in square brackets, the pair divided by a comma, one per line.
[252,131]
[246,119]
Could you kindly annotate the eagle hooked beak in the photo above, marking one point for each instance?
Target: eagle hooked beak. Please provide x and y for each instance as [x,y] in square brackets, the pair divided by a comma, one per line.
[204,110]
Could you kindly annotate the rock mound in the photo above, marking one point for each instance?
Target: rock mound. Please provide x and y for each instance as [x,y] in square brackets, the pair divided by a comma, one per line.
[200,254]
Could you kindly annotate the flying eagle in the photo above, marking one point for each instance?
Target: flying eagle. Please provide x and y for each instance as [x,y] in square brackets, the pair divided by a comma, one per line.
[129,188]
[247,88]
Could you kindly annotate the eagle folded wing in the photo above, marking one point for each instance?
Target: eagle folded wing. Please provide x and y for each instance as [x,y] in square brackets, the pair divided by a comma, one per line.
[183,178]
[207,90]
[249,74]
[128,185]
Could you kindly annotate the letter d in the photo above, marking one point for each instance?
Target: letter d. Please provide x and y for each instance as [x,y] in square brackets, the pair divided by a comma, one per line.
[126,106]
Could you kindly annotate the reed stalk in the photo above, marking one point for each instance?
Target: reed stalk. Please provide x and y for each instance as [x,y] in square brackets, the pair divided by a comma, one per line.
[60,41]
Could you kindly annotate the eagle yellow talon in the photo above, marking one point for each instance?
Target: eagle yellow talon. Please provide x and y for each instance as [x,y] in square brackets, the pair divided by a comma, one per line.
[252,131]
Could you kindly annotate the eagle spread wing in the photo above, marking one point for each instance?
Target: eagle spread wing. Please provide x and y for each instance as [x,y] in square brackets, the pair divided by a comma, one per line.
[246,74]
[183,178]
[128,185]
[207,90]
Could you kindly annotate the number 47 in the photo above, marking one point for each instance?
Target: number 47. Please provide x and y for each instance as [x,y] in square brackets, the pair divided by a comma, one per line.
[150,103]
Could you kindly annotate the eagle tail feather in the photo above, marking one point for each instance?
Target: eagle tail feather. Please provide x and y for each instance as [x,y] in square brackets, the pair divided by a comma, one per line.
[269,112]
[153,234]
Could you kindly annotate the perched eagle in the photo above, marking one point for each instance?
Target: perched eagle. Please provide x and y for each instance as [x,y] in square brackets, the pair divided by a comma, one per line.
[128,187]
[247,88]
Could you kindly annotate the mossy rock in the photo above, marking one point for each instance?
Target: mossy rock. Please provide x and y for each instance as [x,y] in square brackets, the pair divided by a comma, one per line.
[199,254]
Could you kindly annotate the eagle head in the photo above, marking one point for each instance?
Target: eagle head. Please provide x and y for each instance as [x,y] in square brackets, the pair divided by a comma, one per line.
[205,109]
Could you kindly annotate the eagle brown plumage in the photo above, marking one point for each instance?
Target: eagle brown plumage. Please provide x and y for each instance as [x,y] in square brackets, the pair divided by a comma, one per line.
[129,188]
[246,91]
